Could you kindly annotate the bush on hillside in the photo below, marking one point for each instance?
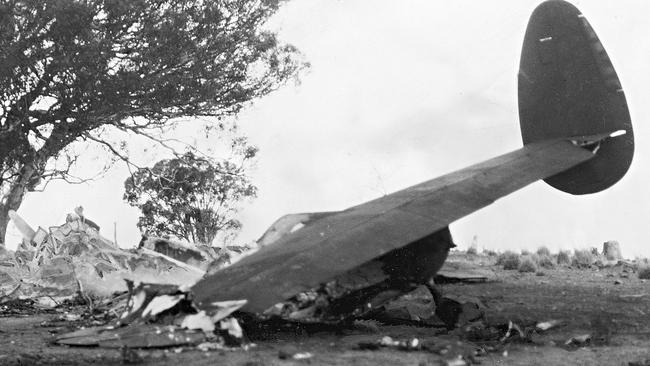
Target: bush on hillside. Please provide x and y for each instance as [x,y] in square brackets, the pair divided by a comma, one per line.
[545,261]
[582,258]
[509,260]
[528,265]
[644,273]
[543,251]
[563,257]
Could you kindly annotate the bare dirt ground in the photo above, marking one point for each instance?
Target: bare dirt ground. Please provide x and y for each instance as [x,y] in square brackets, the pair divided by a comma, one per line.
[610,304]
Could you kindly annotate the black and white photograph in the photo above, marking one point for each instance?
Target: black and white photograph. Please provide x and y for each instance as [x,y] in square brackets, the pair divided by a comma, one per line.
[324,182]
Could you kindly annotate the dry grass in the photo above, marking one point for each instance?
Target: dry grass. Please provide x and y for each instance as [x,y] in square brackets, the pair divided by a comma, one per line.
[509,260]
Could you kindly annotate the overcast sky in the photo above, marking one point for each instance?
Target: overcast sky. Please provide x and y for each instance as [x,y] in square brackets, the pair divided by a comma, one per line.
[400,92]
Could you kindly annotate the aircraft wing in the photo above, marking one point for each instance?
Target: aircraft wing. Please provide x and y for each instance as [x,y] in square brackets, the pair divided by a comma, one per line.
[341,241]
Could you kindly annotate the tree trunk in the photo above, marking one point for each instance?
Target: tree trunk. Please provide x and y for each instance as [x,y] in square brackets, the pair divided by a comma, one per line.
[4,221]
[14,198]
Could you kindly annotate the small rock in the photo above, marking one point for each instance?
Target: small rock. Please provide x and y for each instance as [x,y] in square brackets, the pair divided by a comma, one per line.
[458,361]
[617,282]
[548,324]
[292,353]
[207,346]
[302,356]
[581,340]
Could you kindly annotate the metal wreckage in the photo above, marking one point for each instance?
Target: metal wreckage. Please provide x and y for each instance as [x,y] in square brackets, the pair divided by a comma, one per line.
[334,267]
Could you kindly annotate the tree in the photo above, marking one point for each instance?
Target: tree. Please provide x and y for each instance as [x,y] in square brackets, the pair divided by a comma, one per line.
[72,71]
[190,197]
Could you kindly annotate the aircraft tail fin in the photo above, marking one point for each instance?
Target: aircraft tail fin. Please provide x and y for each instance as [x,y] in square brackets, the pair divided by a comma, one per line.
[568,88]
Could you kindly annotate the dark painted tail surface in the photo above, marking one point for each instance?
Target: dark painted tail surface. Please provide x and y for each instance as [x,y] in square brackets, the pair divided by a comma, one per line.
[568,87]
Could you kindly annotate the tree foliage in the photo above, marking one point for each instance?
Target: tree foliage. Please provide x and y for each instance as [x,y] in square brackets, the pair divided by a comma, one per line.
[72,69]
[190,197]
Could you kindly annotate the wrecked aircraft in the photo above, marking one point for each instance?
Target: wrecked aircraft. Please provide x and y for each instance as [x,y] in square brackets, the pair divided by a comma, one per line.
[577,137]
[339,266]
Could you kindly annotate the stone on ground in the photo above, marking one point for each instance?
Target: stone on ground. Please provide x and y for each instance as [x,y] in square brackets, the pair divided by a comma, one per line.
[612,250]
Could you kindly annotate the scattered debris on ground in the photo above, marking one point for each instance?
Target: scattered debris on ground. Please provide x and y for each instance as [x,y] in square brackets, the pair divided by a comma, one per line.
[89,286]
[158,316]
[55,264]
[154,322]
[464,271]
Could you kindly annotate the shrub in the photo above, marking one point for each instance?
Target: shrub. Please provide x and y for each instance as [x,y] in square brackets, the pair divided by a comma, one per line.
[642,260]
[472,250]
[564,257]
[528,265]
[582,258]
[509,260]
[543,251]
[525,252]
[545,261]
[644,273]
[489,253]
[540,273]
